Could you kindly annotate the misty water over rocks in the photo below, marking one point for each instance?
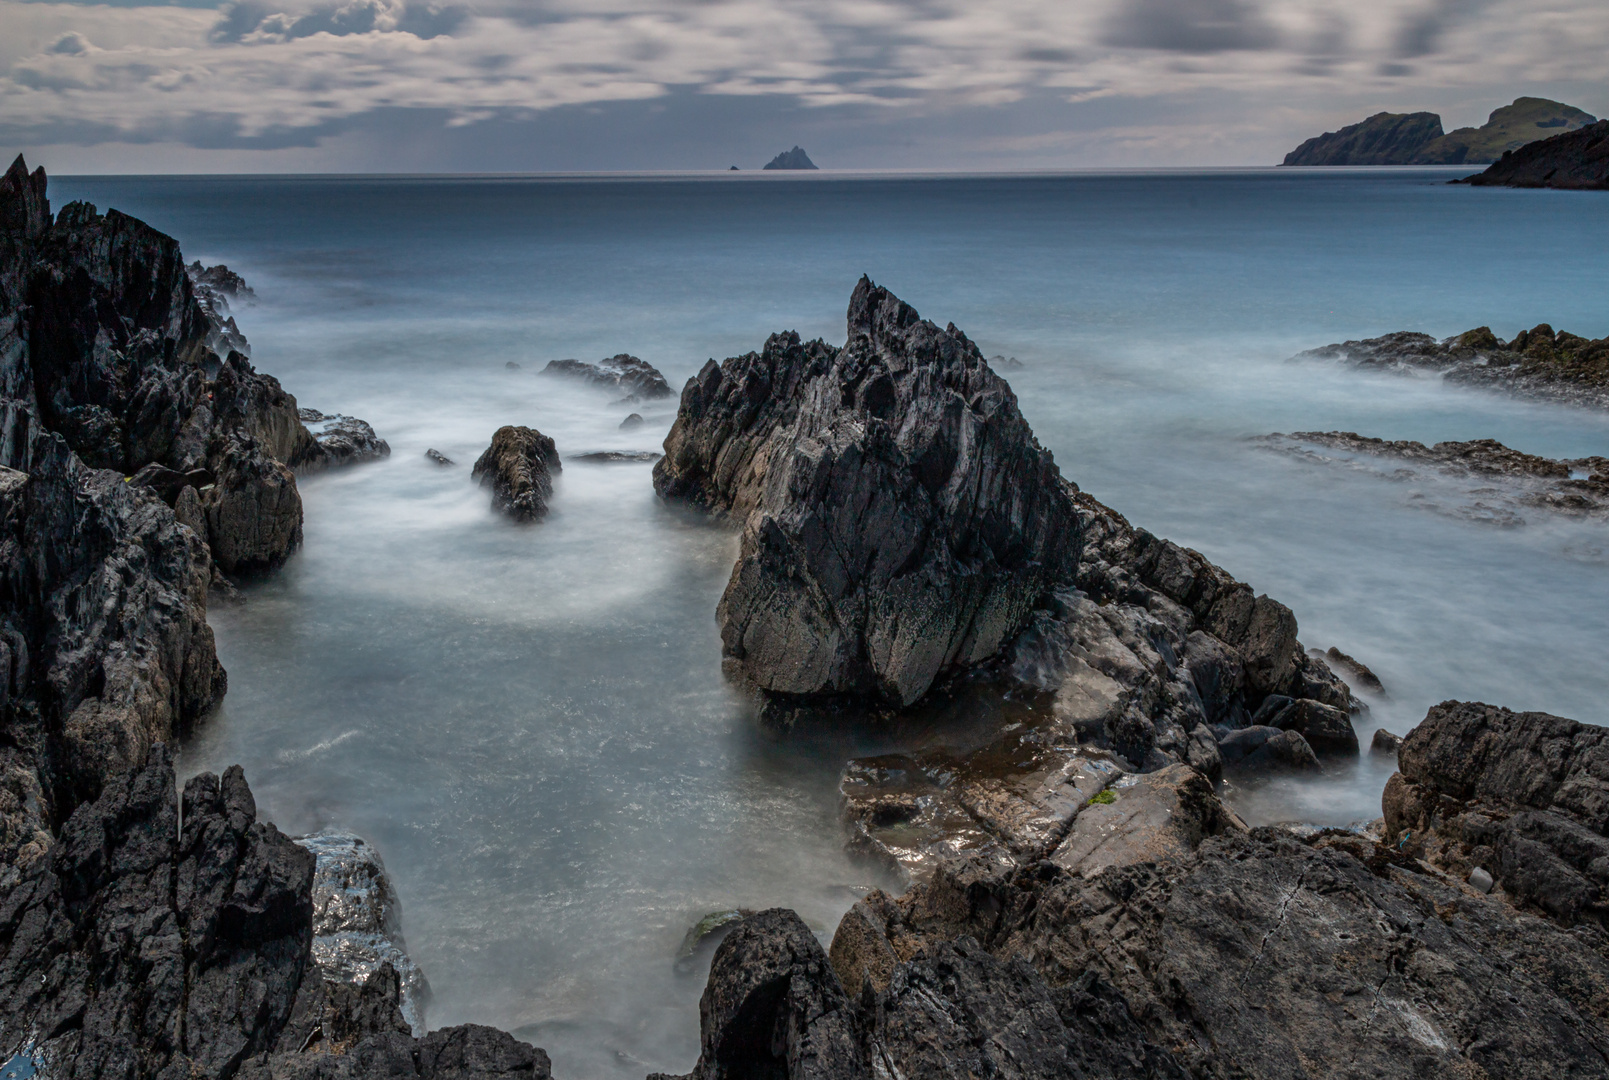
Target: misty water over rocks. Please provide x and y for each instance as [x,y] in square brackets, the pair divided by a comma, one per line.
[529,722]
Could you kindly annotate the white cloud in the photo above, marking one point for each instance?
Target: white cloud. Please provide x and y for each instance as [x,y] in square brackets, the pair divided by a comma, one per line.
[266,72]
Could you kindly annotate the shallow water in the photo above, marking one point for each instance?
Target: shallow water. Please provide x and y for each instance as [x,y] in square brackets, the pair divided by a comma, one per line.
[530,723]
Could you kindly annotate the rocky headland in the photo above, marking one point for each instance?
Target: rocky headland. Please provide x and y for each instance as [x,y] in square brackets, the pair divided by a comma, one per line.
[1542,363]
[1418,139]
[1506,483]
[1577,160]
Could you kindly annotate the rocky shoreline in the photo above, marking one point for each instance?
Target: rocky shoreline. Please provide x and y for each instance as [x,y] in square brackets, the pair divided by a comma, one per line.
[1539,363]
[1507,483]
[1080,901]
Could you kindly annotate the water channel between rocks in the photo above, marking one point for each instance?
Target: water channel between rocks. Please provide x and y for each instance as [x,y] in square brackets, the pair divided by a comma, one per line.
[530,723]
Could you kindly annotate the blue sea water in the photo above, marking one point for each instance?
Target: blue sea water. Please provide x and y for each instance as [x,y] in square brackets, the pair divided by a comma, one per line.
[530,723]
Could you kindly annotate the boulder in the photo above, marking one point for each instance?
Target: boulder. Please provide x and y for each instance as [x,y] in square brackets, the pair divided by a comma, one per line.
[1326,729]
[519,467]
[1523,795]
[438,457]
[1385,743]
[1261,748]
[623,373]
[774,1007]
[899,520]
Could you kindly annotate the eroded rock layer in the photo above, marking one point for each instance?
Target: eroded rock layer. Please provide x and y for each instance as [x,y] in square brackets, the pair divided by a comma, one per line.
[899,518]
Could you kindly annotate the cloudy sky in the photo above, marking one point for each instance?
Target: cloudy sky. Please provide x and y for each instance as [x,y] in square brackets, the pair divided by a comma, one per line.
[539,85]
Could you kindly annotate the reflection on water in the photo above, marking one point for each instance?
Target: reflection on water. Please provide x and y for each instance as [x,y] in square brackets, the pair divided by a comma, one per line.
[530,722]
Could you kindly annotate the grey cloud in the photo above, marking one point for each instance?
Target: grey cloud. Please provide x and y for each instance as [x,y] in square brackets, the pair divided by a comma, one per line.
[423,20]
[73,44]
[1190,26]
[1420,34]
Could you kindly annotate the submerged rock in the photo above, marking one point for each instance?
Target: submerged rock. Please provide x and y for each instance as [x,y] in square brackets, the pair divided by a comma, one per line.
[637,379]
[1512,481]
[705,934]
[615,457]
[899,519]
[438,457]
[519,467]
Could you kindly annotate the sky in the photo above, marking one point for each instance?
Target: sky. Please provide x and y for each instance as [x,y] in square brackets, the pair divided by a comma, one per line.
[602,85]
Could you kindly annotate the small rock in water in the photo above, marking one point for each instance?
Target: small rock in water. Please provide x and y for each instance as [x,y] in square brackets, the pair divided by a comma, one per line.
[1356,668]
[438,457]
[635,377]
[1005,363]
[1480,880]
[519,467]
[1384,742]
[512,366]
[635,420]
[707,931]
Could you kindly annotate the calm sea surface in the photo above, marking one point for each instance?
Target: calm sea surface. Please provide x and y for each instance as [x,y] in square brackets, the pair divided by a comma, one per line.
[530,723]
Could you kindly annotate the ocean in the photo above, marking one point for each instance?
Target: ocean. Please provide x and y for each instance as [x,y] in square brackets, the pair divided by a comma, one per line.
[530,722]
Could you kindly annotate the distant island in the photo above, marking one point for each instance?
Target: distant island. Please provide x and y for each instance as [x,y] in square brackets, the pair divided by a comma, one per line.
[791,159]
[1417,138]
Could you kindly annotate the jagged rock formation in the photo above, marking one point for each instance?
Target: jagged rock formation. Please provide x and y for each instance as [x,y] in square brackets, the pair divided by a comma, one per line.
[636,379]
[518,466]
[1538,363]
[1383,139]
[1524,796]
[1526,120]
[136,947]
[899,518]
[1197,951]
[1577,160]
[1152,653]
[1417,138]
[791,159]
[1507,481]
[104,644]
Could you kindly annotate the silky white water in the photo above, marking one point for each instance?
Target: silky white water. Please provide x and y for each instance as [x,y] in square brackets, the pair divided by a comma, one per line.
[530,722]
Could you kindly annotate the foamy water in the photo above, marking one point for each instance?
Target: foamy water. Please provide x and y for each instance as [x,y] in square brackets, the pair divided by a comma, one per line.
[530,723]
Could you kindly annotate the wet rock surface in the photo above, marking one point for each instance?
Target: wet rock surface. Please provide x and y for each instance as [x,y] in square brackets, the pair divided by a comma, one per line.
[1507,483]
[341,440]
[1195,950]
[899,520]
[357,922]
[635,379]
[518,466]
[1523,795]
[1538,363]
[139,947]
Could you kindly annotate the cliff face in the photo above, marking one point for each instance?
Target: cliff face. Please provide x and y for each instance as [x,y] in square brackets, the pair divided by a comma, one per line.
[1577,160]
[1382,139]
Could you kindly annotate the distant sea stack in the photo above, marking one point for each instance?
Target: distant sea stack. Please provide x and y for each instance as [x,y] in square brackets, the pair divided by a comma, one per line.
[791,159]
[1576,160]
[1417,138]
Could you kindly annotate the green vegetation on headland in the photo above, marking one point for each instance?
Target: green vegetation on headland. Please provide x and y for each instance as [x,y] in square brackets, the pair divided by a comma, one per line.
[1417,138]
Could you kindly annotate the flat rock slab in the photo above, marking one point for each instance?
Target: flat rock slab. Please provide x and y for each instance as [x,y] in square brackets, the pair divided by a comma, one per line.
[1153,817]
